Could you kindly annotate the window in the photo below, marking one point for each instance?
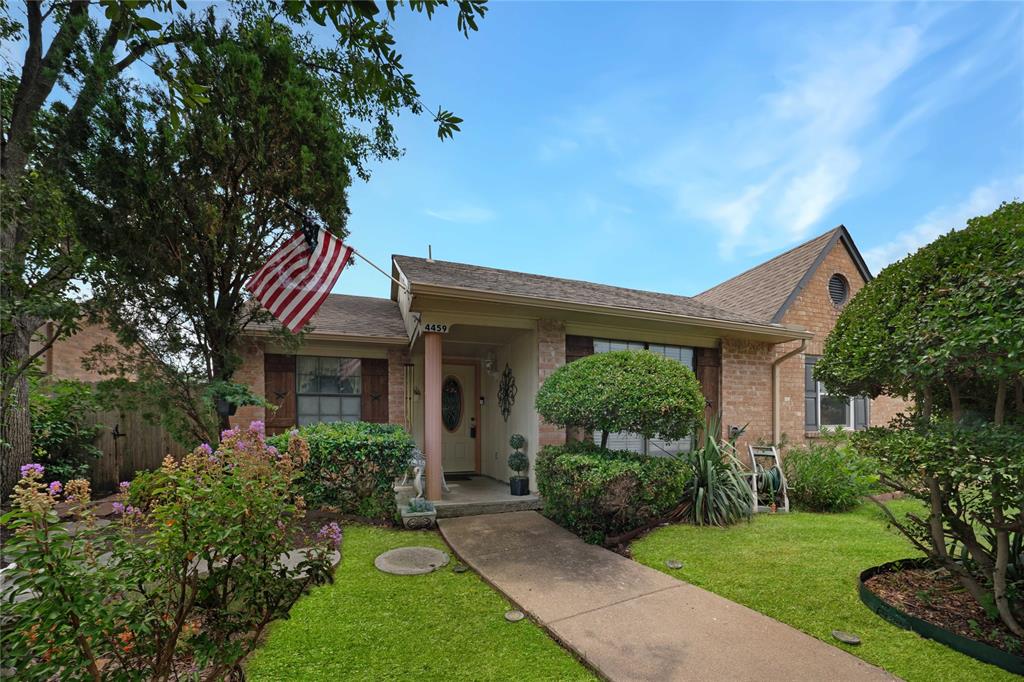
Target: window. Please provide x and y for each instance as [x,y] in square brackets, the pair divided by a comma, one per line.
[634,442]
[838,289]
[328,389]
[822,410]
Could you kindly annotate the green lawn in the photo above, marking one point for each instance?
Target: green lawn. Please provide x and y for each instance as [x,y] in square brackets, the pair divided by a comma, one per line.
[372,626]
[802,569]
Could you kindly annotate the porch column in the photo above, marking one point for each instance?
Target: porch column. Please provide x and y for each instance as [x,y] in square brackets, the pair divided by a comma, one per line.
[432,412]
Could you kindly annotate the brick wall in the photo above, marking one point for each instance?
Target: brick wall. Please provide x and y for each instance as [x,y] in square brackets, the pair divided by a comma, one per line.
[747,371]
[550,356]
[747,389]
[396,387]
[64,359]
[813,309]
[250,373]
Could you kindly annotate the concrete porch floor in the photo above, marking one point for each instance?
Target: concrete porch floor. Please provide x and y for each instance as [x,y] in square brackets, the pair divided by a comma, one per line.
[472,496]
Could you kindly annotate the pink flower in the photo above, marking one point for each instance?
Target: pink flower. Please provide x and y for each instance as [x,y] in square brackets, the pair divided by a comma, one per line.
[205,448]
[117,507]
[258,426]
[31,468]
[123,487]
[332,534]
[55,487]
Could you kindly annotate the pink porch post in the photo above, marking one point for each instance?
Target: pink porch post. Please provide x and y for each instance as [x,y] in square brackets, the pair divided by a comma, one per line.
[432,412]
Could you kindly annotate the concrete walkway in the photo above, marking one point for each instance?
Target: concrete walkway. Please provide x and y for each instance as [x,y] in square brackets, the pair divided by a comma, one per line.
[631,622]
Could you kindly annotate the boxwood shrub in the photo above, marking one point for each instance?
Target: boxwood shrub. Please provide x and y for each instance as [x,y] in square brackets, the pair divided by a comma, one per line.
[595,492]
[353,466]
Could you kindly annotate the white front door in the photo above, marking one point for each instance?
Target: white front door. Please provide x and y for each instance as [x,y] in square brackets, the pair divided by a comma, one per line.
[458,412]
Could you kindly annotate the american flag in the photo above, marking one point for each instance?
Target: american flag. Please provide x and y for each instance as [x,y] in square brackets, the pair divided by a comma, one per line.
[297,278]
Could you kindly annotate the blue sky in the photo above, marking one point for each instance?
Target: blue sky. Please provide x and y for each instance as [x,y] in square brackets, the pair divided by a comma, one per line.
[669,146]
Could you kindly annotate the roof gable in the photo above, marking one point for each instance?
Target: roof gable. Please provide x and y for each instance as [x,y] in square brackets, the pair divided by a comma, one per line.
[766,291]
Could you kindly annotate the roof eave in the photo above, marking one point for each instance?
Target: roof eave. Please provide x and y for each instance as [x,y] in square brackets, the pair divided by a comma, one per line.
[336,336]
[777,332]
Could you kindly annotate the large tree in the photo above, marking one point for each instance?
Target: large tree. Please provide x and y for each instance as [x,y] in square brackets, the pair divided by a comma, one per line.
[944,328]
[46,121]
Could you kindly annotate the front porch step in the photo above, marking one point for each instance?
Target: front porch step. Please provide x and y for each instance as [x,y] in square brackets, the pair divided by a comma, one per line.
[447,510]
[472,497]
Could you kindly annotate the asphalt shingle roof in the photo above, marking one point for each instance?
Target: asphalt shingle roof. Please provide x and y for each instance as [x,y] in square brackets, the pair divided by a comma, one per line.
[492,280]
[356,316]
[762,291]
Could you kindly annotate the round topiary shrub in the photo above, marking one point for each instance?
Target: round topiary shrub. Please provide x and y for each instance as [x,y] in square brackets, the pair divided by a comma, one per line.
[634,391]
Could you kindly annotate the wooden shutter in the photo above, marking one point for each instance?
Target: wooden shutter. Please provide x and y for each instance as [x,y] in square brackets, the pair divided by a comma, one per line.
[810,395]
[375,390]
[707,363]
[279,390]
[861,412]
[577,347]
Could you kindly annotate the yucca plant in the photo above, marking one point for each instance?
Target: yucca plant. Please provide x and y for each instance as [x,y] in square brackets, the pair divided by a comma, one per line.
[717,493]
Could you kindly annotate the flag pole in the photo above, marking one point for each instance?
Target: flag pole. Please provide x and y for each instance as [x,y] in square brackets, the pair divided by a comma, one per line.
[378,268]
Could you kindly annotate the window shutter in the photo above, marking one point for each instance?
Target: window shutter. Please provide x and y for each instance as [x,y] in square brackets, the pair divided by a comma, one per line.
[375,390]
[861,408]
[810,395]
[279,390]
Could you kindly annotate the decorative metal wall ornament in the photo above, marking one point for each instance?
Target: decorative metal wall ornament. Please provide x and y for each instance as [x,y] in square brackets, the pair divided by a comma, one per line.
[451,403]
[507,392]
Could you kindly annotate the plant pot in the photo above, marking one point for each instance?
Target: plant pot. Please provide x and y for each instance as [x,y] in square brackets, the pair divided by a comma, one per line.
[519,486]
[418,520]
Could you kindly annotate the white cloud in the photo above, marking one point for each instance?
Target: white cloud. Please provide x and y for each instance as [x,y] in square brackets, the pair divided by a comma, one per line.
[466,213]
[981,201]
[832,124]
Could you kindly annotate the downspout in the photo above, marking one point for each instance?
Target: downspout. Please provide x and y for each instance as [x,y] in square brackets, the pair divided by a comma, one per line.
[776,418]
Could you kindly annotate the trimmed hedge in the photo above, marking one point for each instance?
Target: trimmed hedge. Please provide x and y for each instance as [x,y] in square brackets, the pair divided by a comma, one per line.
[353,466]
[596,492]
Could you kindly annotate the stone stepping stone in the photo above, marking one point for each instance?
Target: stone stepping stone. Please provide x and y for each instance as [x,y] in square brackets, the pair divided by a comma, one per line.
[460,568]
[103,509]
[846,637]
[514,616]
[411,560]
[674,564]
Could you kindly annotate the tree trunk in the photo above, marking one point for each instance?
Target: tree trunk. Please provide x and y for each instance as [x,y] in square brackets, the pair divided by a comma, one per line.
[15,420]
[1000,413]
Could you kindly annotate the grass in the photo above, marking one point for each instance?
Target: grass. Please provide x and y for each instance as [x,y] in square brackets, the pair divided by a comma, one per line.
[802,569]
[373,626]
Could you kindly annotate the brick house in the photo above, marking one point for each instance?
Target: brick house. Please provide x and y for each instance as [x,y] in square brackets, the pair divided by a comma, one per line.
[457,352]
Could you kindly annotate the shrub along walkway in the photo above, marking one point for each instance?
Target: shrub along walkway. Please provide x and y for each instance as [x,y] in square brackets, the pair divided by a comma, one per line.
[632,622]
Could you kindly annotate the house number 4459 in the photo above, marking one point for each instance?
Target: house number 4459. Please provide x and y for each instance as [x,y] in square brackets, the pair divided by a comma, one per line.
[436,327]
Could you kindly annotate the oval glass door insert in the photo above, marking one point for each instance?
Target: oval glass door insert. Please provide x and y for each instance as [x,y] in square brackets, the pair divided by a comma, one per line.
[451,403]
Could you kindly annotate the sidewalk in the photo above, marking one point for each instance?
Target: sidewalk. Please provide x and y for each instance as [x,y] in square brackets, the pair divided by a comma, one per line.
[630,622]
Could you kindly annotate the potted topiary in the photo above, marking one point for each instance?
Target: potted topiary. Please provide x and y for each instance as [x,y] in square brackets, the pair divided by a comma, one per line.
[418,514]
[519,483]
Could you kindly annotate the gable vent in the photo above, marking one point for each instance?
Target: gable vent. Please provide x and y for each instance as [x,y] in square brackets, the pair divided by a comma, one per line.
[838,289]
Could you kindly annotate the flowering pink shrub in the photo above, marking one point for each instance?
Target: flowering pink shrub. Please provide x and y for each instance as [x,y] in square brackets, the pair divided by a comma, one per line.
[192,580]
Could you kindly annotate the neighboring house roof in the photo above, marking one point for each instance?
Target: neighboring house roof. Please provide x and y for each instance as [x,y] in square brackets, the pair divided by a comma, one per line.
[359,316]
[766,291]
[555,289]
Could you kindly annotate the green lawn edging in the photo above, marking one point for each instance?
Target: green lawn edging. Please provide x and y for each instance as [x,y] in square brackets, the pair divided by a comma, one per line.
[965,645]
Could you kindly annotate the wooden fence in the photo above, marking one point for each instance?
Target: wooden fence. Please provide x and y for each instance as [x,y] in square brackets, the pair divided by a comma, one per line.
[140,447]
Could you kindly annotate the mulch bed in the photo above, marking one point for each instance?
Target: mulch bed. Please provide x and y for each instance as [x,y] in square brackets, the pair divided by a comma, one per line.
[935,596]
